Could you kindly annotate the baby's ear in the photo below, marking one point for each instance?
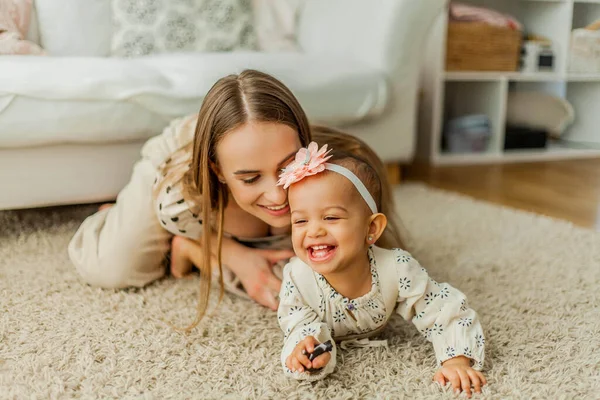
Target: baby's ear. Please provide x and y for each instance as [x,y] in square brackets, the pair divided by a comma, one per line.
[377,224]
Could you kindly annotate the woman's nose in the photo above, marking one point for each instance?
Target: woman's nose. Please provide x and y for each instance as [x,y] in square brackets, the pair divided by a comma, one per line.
[277,195]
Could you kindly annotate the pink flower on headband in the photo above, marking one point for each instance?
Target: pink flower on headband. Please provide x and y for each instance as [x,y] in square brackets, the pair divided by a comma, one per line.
[309,161]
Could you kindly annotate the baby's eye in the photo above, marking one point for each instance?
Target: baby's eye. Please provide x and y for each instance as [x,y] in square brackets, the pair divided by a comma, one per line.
[331,218]
[251,180]
[299,221]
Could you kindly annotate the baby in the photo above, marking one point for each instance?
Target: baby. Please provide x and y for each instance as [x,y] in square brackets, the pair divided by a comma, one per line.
[342,287]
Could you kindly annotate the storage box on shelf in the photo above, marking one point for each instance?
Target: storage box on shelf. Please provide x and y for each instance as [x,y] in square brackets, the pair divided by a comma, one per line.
[482,47]
[488,92]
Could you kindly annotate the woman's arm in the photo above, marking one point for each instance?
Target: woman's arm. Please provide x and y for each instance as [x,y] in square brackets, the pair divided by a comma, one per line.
[252,266]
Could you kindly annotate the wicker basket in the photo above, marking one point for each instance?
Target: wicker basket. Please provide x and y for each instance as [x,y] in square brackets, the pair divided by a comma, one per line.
[473,46]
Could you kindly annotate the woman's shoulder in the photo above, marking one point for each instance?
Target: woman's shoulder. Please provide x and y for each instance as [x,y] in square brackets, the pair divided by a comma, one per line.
[176,213]
[175,137]
[181,131]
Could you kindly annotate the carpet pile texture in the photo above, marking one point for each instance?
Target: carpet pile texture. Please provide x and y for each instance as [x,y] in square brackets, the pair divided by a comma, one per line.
[534,281]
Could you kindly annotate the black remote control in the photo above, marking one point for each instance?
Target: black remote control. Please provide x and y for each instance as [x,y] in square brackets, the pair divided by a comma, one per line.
[320,349]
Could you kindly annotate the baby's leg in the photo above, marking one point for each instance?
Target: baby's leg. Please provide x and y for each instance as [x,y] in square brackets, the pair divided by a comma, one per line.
[123,245]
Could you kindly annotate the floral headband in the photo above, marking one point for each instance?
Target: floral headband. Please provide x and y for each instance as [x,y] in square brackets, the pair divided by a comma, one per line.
[311,161]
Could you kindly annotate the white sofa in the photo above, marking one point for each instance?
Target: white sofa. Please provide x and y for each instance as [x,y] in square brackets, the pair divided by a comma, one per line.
[71,126]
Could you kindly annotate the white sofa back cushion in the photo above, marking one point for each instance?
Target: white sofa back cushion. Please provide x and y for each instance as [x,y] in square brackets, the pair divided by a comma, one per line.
[74,27]
[156,26]
[276,23]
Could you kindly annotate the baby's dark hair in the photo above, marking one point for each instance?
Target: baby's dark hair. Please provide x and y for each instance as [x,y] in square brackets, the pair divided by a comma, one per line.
[361,168]
[362,158]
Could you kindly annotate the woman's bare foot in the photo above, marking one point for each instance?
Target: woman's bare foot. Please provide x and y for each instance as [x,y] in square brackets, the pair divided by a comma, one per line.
[181,265]
[105,206]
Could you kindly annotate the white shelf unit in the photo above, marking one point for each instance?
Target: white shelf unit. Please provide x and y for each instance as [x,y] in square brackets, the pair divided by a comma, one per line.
[450,94]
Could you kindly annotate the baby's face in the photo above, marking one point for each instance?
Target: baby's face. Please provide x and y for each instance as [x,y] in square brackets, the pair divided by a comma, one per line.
[330,222]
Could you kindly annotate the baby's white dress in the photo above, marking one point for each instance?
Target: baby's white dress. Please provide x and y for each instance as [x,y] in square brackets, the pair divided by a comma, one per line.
[309,306]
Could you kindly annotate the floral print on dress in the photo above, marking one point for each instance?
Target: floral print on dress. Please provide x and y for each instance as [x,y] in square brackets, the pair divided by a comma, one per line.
[372,305]
[404,283]
[401,257]
[480,340]
[426,332]
[463,305]
[339,316]
[289,287]
[295,309]
[309,331]
[444,293]
[467,352]
[321,304]
[438,311]
[429,297]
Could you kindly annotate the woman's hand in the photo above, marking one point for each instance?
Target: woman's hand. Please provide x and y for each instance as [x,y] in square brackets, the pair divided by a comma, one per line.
[254,268]
[298,360]
[459,373]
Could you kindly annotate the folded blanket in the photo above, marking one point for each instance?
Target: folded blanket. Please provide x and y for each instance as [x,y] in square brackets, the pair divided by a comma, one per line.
[468,13]
[14,22]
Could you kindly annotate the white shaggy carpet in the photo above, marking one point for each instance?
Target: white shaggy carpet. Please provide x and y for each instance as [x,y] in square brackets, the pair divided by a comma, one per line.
[534,281]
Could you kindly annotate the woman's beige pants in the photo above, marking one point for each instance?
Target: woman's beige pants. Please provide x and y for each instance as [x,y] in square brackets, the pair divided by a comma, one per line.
[123,245]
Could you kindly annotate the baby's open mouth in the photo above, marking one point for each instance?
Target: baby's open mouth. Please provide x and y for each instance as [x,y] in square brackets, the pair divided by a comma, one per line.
[320,253]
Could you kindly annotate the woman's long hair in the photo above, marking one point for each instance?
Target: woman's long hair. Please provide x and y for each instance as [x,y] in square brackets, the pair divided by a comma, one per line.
[232,101]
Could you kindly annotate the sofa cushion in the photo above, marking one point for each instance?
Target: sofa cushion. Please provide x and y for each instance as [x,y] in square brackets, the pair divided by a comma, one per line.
[156,26]
[102,100]
[275,22]
[74,27]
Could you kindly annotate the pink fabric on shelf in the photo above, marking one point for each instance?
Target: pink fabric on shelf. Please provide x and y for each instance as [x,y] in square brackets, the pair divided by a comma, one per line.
[468,13]
[14,22]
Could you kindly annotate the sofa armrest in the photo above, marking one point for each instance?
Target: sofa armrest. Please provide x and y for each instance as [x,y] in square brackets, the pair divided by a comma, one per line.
[384,34]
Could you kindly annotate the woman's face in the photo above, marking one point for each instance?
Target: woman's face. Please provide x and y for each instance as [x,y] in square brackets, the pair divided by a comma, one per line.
[250,159]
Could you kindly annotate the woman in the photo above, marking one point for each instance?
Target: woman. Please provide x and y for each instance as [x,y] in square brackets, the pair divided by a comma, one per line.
[208,186]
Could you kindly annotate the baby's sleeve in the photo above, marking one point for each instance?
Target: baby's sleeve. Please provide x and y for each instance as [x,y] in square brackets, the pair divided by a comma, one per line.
[439,312]
[298,320]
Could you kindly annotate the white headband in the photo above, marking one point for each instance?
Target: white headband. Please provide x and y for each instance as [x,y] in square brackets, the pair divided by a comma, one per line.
[310,161]
[362,189]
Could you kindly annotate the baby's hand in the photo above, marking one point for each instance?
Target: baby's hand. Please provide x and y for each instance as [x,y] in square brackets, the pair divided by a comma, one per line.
[459,373]
[298,360]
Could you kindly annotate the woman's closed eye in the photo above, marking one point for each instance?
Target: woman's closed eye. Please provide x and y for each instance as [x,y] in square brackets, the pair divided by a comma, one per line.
[251,180]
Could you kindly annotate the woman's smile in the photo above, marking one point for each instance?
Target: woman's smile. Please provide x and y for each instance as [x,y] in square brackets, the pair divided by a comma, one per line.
[277,210]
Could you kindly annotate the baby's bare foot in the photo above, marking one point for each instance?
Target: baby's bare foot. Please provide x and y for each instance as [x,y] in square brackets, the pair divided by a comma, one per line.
[180,262]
